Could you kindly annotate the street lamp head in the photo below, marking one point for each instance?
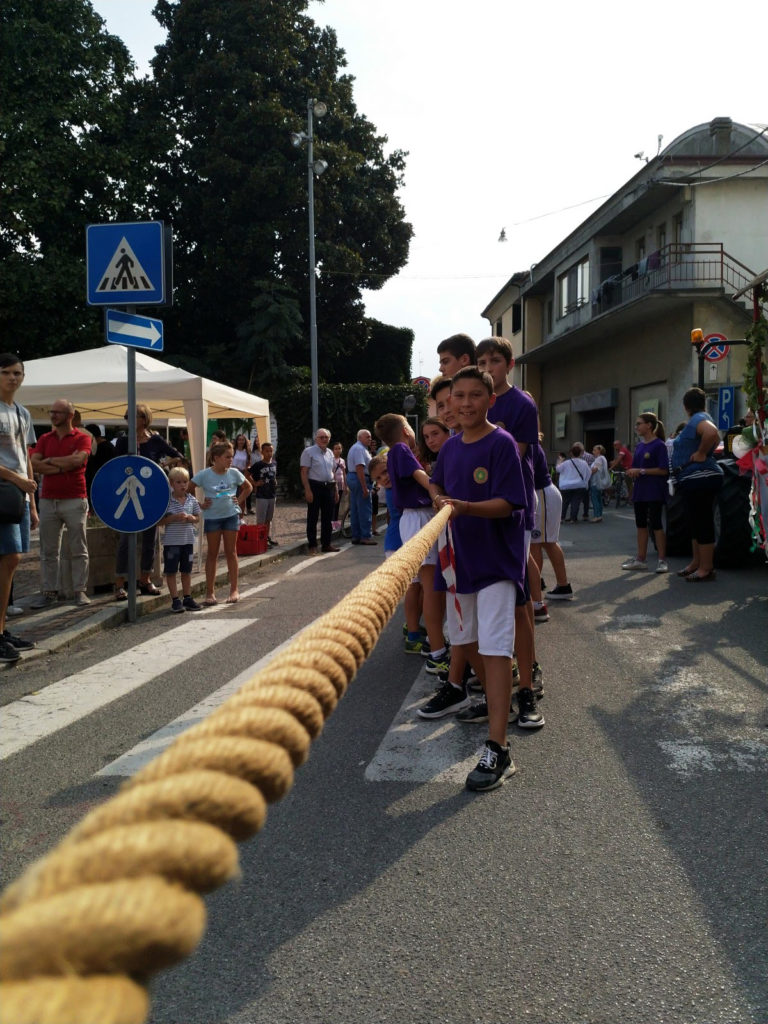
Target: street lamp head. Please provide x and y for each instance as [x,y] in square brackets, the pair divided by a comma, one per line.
[319,167]
[319,108]
[298,137]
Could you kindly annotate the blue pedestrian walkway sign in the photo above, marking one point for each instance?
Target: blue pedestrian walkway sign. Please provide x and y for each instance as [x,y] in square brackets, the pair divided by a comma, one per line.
[126,263]
[134,331]
[130,493]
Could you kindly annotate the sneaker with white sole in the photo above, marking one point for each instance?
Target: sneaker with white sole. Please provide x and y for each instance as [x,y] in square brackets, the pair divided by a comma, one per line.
[662,566]
[14,609]
[564,592]
[8,653]
[18,642]
[494,766]
[529,717]
[635,563]
[438,665]
[447,701]
[540,614]
[477,712]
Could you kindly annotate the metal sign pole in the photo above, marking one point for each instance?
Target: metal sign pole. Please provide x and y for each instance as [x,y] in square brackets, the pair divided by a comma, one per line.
[132,450]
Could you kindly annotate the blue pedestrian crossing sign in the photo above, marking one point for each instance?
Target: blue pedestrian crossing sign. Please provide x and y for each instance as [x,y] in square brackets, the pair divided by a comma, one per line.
[126,264]
[130,493]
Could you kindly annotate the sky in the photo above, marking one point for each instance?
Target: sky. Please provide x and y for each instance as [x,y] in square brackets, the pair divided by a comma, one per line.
[516,116]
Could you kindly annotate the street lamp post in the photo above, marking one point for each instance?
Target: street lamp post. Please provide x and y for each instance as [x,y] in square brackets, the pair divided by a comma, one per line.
[315,108]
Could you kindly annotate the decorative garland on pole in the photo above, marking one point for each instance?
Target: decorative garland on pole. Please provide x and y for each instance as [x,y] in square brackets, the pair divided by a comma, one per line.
[751,447]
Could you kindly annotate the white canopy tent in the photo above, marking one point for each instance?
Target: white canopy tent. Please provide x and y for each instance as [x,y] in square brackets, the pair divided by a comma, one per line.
[95,381]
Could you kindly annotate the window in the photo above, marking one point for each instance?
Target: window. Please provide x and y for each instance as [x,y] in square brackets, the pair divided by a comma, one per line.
[661,236]
[573,288]
[640,248]
[499,333]
[517,318]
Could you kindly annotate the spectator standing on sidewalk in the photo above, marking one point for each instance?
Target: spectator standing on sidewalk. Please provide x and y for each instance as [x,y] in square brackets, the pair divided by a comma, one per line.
[60,457]
[358,458]
[16,435]
[104,452]
[316,469]
[265,487]
[649,471]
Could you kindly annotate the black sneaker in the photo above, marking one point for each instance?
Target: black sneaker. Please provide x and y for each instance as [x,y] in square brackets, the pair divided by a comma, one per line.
[8,652]
[478,712]
[17,642]
[447,701]
[176,605]
[494,766]
[191,605]
[530,717]
[537,681]
[561,593]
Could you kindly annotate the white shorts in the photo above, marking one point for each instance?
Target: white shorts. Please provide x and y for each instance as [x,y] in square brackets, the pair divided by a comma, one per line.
[411,521]
[547,529]
[488,618]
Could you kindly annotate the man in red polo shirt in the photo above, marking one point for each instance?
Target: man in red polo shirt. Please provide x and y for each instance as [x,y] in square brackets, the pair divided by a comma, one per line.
[60,457]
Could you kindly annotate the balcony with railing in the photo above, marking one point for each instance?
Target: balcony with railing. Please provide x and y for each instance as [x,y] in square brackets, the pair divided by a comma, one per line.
[677,267]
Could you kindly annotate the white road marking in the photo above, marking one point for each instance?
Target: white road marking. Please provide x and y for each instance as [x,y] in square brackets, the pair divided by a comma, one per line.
[135,759]
[41,714]
[720,733]
[425,750]
[313,560]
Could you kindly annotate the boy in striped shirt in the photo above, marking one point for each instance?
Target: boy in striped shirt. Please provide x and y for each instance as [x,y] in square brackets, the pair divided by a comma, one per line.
[182,515]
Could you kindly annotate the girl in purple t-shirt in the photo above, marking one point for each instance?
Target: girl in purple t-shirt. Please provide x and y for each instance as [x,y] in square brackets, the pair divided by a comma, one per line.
[649,470]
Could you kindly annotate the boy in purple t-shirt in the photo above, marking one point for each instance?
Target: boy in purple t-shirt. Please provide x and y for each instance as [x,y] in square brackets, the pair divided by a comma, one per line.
[478,474]
[516,412]
[410,493]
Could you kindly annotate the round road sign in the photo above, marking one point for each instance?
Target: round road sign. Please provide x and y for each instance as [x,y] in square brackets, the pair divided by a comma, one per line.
[719,349]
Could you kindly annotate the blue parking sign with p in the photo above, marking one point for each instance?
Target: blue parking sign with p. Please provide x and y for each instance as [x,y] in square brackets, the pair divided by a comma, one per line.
[725,408]
[126,263]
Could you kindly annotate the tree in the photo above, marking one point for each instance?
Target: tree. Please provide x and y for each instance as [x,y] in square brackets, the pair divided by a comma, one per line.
[232,82]
[69,147]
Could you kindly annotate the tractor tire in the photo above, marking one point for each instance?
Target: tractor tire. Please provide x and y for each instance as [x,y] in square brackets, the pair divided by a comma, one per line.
[733,536]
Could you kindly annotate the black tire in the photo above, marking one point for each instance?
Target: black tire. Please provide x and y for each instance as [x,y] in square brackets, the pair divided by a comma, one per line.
[733,536]
[678,536]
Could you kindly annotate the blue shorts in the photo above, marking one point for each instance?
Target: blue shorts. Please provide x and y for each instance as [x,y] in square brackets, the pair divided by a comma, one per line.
[230,523]
[14,537]
[177,558]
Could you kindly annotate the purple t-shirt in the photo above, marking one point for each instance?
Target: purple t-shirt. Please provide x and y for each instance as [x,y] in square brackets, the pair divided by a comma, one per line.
[401,465]
[541,475]
[518,415]
[487,550]
[650,455]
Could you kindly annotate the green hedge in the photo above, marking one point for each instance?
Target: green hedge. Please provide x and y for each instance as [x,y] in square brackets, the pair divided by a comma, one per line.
[342,408]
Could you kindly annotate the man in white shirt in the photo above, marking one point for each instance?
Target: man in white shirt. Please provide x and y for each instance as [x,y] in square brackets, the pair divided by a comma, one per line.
[316,468]
[359,484]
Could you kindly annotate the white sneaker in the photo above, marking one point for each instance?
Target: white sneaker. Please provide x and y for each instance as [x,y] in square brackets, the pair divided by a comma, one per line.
[81,598]
[662,566]
[14,609]
[634,563]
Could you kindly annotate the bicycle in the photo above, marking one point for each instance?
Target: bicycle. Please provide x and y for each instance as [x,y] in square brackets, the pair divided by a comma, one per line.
[618,491]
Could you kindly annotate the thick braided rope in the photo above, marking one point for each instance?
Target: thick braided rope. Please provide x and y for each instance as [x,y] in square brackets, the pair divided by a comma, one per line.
[118,899]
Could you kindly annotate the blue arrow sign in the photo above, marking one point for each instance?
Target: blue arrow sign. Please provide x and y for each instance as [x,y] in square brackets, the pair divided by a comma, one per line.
[725,408]
[134,331]
[126,263]
[130,493]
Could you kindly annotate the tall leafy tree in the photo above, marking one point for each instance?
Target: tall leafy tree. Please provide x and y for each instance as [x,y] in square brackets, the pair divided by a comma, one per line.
[232,82]
[70,148]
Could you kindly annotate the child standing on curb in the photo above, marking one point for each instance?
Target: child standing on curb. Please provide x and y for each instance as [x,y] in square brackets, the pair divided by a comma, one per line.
[181,517]
[222,485]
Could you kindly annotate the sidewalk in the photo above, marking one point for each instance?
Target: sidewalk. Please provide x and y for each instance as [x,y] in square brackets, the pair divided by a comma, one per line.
[57,627]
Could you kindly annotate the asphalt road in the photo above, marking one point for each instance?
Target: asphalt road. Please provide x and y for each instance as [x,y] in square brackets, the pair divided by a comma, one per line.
[619,876]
